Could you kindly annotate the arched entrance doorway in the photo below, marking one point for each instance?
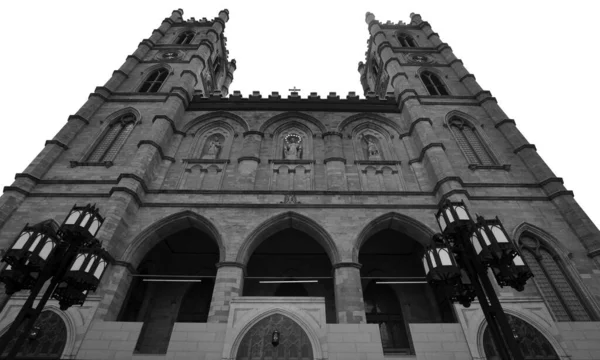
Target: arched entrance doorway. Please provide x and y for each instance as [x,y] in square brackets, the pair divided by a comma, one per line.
[291,263]
[395,291]
[46,343]
[294,343]
[532,343]
[174,283]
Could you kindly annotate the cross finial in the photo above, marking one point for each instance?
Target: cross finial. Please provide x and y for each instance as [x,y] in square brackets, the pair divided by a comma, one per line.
[294,89]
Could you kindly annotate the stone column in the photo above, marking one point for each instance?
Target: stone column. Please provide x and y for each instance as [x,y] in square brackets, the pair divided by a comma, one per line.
[228,284]
[335,163]
[349,302]
[248,163]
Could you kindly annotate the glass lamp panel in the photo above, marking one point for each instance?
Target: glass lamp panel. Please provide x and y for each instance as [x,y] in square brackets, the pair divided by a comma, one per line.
[22,240]
[424,265]
[444,257]
[92,260]
[47,249]
[35,242]
[484,236]
[72,219]
[102,265]
[441,221]
[461,212]
[94,227]
[78,262]
[499,234]
[476,244]
[432,258]
[85,220]
[449,215]
[8,267]
[518,261]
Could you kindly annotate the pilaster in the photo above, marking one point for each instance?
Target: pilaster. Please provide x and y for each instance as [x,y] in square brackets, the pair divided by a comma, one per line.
[349,302]
[228,285]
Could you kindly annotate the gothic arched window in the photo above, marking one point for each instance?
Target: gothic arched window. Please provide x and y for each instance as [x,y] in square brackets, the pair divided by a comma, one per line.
[533,345]
[184,38]
[407,41]
[470,142]
[112,140]
[154,81]
[553,283]
[50,340]
[434,85]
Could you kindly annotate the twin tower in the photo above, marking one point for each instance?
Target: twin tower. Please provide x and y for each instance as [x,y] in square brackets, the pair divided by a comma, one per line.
[196,180]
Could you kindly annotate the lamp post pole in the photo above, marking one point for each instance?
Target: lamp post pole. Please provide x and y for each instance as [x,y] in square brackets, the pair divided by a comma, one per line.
[488,300]
[70,256]
[458,261]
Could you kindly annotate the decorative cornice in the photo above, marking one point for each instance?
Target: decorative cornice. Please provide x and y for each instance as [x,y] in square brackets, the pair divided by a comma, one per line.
[56,142]
[505,167]
[332,133]
[560,193]
[120,72]
[245,158]
[89,163]
[414,124]
[16,189]
[455,61]
[425,148]
[523,147]
[466,77]
[158,148]
[253,132]
[206,161]
[346,264]
[325,161]
[551,180]
[134,58]
[377,162]
[78,117]
[505,121]
[132,193]
[159,31]
[432,34]
[170,121]
[191,73]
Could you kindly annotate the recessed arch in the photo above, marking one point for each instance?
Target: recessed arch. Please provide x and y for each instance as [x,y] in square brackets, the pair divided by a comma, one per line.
[216,114]
[155,233]
[537,323]
[285,221]
[292,114]
[393,220]
[358,117]
[117,114]
[306,323]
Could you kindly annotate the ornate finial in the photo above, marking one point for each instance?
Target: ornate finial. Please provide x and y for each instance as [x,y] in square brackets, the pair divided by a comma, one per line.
[294,89]
[369,17]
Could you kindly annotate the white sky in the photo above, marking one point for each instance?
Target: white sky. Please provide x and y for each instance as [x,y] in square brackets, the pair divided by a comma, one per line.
[533,56]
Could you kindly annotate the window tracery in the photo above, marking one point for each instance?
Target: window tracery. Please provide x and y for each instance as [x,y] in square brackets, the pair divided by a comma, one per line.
[112,139]
[554,285]
[154,81]
[470,142]
[184,38]
[434,85]
[407,41]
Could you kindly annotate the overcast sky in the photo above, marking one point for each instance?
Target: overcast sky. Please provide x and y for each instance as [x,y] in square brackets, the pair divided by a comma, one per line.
[533,56]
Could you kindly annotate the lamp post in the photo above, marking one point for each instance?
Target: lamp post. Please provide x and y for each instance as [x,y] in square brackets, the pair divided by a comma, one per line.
[458,259]
[69,254]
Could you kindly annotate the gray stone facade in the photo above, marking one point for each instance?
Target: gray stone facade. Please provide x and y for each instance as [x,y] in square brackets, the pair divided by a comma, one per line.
[202,157]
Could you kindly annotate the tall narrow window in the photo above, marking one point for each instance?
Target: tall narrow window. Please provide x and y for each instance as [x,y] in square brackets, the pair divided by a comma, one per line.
[434,85]
[407,41]
[113,139]
[374,69]
[154,81]
[553,283]
[217,65]
[470,143]
[184,38]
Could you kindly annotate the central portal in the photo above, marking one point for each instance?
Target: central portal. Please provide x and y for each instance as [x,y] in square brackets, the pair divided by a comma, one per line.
[294,343]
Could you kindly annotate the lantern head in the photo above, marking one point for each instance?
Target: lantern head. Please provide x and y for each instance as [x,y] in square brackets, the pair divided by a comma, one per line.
[67,295]
[87,268]
[83,222]
[451,215]
[515,274]
[439,262]
[463,292]
[275,338]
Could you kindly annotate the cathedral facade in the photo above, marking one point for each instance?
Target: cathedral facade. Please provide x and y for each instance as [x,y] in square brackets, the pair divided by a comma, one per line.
[229,216]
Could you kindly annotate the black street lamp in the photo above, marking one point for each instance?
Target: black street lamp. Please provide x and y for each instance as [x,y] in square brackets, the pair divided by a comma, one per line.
[457,262]
[69,254]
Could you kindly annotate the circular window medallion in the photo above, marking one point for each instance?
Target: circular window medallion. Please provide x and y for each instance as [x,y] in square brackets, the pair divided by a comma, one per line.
[420,58]
[169,55]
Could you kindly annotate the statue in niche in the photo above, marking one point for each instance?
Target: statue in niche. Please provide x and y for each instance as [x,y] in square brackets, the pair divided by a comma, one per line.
[214,148]
[292,148]
[372,149]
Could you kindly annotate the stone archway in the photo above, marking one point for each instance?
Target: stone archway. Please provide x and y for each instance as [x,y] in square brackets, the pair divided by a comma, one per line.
[294,343]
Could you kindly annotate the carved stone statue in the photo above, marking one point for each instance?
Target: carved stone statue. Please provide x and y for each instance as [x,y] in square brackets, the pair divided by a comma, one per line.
[292,149]
[214,148]
[372,150]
